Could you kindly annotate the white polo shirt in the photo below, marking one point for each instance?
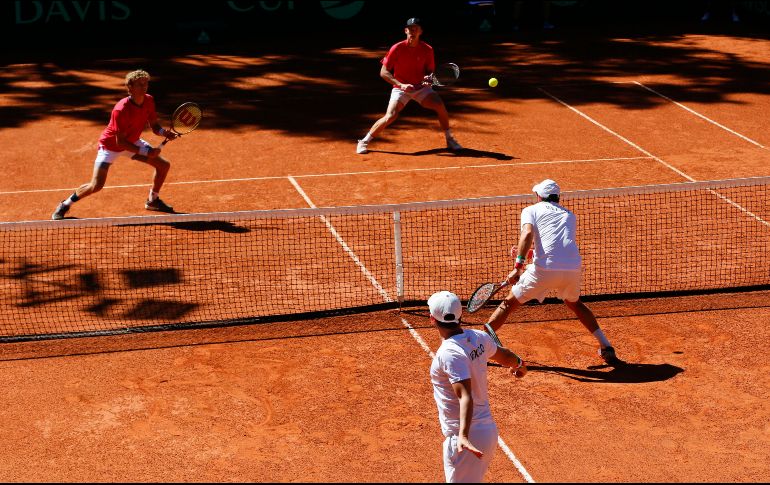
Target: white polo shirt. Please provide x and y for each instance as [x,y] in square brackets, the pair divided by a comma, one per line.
[555,231]
[458,358]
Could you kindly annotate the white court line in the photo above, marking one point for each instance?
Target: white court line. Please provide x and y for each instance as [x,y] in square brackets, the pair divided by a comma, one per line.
[717,194]
[624,139]
[701,116]
[344,245]
[413,331]
[690,110]
[342,174]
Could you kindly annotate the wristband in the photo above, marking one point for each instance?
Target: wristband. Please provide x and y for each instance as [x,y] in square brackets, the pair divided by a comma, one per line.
[144,150]
[162,131]
[520,259]
[518,265]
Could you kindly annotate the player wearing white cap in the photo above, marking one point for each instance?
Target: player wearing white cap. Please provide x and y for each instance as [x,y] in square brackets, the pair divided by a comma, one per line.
[550,230]
[459,377]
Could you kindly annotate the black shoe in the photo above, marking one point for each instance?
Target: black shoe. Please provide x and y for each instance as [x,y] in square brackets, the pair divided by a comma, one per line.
[60,212]
[608,355]
[158,206]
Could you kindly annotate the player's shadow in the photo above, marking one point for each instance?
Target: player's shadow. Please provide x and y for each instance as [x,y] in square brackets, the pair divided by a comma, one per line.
[465,152]
[197,226]
[620,373]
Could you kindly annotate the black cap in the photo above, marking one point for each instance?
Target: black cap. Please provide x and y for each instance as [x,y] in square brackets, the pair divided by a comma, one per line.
[413,21]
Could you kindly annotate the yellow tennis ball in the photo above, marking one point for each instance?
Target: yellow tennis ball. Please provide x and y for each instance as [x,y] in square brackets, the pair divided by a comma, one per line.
[492,82]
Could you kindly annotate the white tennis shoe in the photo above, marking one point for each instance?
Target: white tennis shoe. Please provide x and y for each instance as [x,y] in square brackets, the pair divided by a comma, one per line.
[363,147]
[452,144]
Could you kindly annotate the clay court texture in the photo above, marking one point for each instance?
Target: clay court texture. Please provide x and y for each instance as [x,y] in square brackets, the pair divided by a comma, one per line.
[347,398]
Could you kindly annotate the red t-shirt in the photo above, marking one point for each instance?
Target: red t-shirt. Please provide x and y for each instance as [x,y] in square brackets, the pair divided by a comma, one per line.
[130,119]
[410,64]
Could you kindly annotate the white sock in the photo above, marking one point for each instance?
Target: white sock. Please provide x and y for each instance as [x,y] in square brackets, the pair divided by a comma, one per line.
[153,195]
[368,137]
[448,133]
[601,338]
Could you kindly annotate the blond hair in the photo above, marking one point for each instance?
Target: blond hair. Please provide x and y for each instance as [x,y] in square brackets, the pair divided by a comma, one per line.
[134,75]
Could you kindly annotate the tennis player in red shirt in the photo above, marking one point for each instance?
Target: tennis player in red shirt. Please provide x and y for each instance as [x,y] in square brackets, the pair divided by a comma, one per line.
[122,137]
[408,68]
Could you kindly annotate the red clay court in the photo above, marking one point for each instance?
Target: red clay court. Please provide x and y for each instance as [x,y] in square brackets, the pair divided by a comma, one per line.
[348,398]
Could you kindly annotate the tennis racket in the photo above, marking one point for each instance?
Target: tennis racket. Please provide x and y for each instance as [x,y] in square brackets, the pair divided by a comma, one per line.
[185,119]
[517,371]
[445,74]
[492,334]
[482,295]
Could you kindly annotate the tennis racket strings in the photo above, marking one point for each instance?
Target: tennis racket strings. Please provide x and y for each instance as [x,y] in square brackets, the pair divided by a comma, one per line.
[446,74]
[186,118]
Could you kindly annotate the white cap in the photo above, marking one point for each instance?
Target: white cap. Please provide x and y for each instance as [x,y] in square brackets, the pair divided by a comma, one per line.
[445,307]
[546,187]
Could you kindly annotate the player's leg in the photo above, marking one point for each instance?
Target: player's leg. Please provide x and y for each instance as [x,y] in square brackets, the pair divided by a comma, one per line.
[587,318]
[102,164]
[430,99]
[503,310]
[532,285]
[398,99]
[162,167]
[567,287]
[584,314]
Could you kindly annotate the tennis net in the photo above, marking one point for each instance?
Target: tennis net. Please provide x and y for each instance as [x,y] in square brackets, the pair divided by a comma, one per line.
[94,276]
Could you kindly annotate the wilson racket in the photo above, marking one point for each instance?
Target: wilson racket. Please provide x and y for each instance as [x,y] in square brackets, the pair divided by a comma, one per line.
[445,74]
[185,119]
[482,295]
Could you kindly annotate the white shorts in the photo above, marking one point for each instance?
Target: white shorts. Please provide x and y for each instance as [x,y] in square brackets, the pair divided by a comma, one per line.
[535,282]
[104,157]
[465,467]
[404,97]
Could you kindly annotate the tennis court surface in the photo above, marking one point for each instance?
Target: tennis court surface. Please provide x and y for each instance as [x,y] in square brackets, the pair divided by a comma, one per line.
[275,329]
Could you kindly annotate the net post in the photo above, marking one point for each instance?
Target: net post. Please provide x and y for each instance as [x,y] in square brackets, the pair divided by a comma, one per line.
[399,257]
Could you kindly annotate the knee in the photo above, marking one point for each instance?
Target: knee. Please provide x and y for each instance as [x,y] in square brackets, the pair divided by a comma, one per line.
[163,165]
[390,117]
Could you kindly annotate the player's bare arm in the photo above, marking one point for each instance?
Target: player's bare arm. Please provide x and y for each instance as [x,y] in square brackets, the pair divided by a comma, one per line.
[463,391]
[390,79]
[525,242]
[509,359]
[160,131]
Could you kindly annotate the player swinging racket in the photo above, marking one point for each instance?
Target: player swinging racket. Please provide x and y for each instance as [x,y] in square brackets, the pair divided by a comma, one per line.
[121,137]
[552,230]
[459,377]
[408,67]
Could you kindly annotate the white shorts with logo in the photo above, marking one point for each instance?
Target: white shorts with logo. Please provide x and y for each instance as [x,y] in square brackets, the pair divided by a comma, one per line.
[403,97]
[104,157]
[536,282]
[466,467]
